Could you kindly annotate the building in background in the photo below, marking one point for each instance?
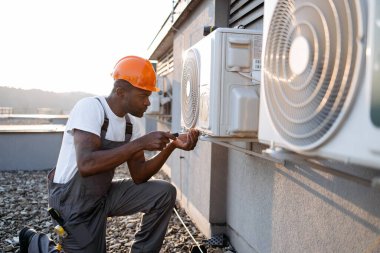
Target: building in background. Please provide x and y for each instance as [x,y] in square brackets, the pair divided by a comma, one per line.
[6,110]
[260,204]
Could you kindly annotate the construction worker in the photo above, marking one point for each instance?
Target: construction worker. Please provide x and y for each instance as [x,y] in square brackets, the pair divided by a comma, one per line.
[99,136]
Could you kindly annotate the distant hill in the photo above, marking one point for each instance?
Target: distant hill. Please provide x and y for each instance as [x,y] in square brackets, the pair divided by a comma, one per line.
[39,101]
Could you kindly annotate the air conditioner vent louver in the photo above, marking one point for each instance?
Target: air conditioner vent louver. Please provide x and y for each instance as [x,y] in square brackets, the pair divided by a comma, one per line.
[190,89]
[310,58]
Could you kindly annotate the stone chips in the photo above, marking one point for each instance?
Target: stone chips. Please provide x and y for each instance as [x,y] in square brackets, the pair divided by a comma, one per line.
[23,202]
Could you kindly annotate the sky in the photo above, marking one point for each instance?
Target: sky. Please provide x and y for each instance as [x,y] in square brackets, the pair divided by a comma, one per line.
[73,45]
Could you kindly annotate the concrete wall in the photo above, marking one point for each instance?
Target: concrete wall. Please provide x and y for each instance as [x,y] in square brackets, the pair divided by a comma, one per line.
[198,175]
[29,150]
[263,207]
[299,209]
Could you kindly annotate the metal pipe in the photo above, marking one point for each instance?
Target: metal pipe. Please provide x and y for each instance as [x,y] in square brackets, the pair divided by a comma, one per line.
[248,152]
[282,157]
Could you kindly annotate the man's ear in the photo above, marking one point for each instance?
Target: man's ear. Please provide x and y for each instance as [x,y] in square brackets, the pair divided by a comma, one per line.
[120,91]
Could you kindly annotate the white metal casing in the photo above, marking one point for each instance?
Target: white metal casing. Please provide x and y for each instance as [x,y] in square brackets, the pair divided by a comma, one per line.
[355,137]
[228,101]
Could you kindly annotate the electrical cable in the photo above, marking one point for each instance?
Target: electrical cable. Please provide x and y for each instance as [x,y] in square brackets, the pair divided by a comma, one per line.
[250,77]
[183,223]
[188,231]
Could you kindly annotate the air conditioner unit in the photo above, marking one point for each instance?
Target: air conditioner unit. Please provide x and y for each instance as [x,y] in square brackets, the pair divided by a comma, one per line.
[219,87]
[320,92]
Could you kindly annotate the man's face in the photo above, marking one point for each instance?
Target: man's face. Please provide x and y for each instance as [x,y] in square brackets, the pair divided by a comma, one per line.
[136,101]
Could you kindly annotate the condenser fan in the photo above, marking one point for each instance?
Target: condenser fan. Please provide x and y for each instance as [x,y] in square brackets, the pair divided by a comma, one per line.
[190,89]
[311,56]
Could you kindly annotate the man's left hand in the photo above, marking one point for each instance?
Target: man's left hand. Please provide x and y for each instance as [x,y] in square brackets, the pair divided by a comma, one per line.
[187,141]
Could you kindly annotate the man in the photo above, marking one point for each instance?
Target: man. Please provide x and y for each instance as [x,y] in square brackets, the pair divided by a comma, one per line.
[97,140]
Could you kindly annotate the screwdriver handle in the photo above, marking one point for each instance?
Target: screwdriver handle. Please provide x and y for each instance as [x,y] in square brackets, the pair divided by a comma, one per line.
[55,215]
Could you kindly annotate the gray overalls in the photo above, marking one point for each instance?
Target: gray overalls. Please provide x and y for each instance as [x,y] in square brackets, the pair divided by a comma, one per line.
[85,203]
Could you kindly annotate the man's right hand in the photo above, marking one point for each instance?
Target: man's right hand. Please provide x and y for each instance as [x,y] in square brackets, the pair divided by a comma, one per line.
[155,141]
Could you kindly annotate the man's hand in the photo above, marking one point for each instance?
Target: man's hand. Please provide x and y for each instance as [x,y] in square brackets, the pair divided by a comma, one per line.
[140,169]
[187,141]
[156,141]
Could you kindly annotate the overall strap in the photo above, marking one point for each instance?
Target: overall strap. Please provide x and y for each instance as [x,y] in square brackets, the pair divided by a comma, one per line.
[105,123]
[128,124]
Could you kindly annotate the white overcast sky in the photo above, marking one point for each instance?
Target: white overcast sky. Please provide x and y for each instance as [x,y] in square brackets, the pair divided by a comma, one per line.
[73,45]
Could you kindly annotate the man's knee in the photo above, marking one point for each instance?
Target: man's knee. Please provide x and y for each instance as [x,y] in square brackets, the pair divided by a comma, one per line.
[170,192]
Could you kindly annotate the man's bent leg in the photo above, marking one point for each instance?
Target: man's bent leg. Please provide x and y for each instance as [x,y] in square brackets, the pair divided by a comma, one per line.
[41,243]
[88,238]
[155,198]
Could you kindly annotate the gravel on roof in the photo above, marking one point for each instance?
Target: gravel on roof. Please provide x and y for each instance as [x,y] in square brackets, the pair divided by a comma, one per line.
[24,202]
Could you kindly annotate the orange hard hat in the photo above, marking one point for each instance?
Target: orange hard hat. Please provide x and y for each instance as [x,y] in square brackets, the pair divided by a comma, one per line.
[137,71]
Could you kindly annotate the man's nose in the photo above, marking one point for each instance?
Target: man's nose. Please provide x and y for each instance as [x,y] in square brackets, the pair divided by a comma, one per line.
[147,102]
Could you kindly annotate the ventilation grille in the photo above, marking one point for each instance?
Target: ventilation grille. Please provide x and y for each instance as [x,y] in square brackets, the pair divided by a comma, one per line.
[311,61]
[190,89]
[248,13]
[165,64]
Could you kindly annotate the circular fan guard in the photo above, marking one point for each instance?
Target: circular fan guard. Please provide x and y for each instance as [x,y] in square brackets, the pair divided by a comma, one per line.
[190,89]
[307,103]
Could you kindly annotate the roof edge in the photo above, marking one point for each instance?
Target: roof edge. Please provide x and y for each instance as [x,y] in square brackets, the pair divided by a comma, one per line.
[164,38]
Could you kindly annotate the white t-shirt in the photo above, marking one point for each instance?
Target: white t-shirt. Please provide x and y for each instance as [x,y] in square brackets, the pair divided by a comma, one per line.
[88,115]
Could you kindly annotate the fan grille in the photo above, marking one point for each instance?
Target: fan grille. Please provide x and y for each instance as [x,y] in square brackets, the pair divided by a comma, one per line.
[190,89]
[311,55]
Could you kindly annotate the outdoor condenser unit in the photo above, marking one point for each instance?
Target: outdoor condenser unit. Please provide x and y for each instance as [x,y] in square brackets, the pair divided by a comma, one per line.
[320,92]
[220,83]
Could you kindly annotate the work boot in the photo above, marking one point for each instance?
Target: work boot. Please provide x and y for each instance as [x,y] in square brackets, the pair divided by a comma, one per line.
[25,236]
